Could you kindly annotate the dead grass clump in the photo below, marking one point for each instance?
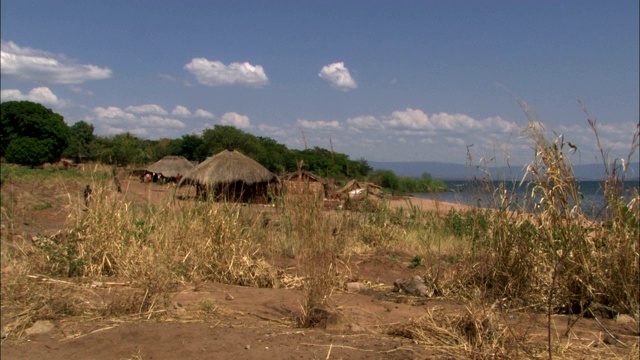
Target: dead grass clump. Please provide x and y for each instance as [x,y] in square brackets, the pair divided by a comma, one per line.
[41,298]
[312,232]
[474,334]
[553,256]
[169,243]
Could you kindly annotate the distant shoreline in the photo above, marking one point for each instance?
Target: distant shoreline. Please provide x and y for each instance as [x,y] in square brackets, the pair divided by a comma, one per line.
[408,202]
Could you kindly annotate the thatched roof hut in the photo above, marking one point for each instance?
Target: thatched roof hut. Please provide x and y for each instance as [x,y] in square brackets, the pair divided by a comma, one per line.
[231,175]
[302,182]
[170,166]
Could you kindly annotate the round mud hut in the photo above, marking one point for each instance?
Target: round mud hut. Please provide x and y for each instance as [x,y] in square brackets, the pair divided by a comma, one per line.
[232,176]
[171,167]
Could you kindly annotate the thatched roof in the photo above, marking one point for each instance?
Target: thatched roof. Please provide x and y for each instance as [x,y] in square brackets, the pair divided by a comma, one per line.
[228,167]
[170,166]
[304,175]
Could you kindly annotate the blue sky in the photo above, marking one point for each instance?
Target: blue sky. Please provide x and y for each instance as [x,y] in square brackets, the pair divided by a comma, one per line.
[381,80]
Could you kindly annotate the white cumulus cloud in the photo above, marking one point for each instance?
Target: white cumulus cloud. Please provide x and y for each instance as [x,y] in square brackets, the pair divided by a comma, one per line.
[338,76]
[409,118]
[319,125]
[366,122]
[113,113]
[114,120]
[416,119]
[42,95]
[154,121]
[147,109]
[180,110]
[235,119]
[215,73]
[27,64]
[203,114]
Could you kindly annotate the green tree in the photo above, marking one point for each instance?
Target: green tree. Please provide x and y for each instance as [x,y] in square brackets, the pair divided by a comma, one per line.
[222,137]
[190,146]
[122,149]
[360,168]
[274,156]
[385,178]
[31,134]
[128,149]
[79,141]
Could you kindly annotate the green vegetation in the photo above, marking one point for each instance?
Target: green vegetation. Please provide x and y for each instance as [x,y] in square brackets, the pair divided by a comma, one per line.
[404,185]
[79,142]
[31,134]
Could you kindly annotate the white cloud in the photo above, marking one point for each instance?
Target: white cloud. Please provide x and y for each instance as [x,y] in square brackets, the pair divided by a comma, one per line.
[410,118]
[215,73]
[180,110]
[27,64]
[338,76]
[147,109]
[417,119]
[454,122]
[235,119]
[203,114]
[318,125]
[42,95]
[114,120]
[112,112]
[366,122]
[154,121]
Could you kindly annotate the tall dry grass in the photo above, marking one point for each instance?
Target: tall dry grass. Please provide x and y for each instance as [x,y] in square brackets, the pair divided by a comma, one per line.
[555,258]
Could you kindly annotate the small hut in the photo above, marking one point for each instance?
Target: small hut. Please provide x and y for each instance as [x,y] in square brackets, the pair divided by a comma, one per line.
[171,167]
[232,176]
[301,183]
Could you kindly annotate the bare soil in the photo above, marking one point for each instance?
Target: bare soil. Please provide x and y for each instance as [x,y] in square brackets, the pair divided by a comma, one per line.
[218,321]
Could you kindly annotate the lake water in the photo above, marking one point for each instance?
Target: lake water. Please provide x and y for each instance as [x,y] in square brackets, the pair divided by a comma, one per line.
[469,193]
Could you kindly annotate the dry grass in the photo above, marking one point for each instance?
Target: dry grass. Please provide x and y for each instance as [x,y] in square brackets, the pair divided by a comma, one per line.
[475,334]
[552,260]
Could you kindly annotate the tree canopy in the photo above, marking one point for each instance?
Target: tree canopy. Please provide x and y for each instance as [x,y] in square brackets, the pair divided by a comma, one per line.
[81,137]
[31,134]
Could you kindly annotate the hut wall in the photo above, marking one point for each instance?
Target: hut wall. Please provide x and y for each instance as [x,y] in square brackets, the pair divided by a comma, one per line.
[303,189]
[258,193]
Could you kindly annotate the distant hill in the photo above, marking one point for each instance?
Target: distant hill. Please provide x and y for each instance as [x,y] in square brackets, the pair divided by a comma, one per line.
[448,171]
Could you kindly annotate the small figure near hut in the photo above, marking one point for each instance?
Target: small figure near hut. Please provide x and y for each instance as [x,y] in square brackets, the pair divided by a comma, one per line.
[115,179]
[87,195]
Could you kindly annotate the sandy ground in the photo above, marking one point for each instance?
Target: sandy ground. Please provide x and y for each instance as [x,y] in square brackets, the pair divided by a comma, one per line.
[410,202]
[258,323]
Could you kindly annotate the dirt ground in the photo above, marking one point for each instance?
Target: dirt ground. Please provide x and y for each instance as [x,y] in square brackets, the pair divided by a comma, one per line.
[217,321]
